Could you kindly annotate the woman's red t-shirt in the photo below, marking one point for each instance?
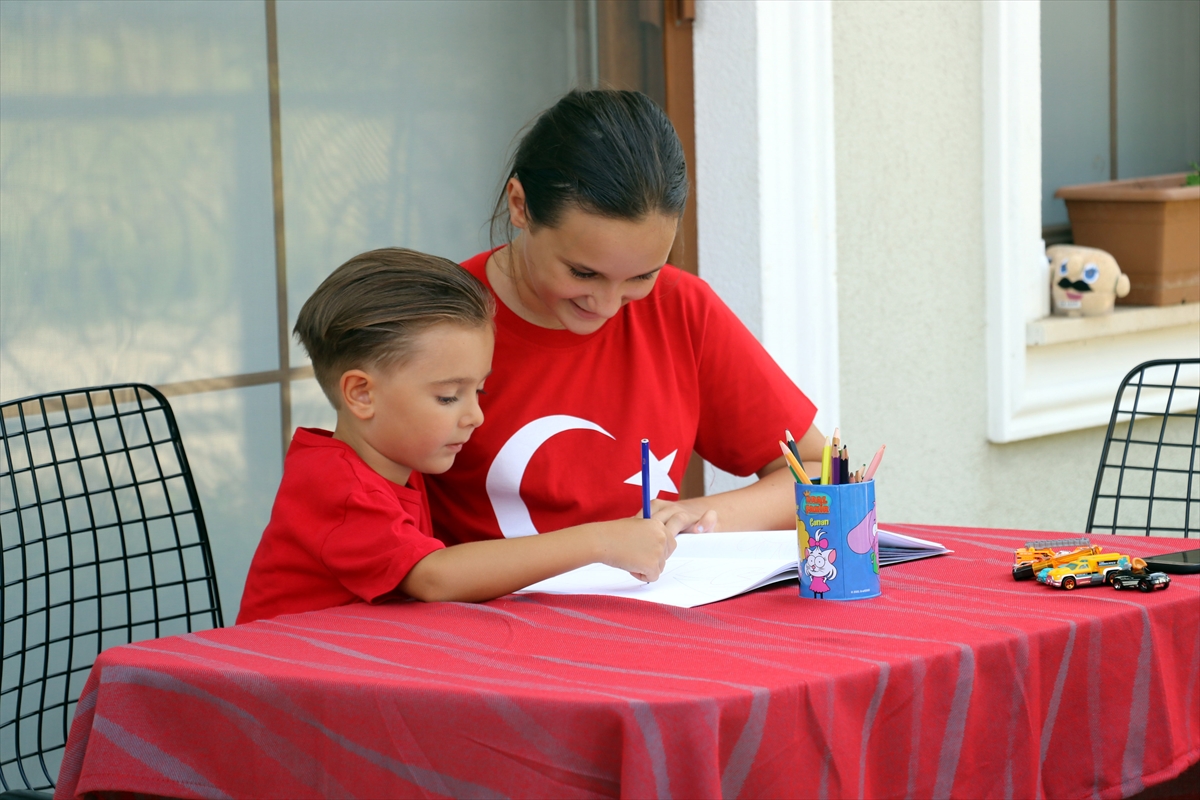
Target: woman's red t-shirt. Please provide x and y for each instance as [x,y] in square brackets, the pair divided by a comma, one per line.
[564,415]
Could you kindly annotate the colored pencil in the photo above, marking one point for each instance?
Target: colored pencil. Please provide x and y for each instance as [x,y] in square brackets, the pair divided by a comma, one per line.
[795,465]
[795,448]
[825,465]
[844,465]
[835,471]
[870,473]
[791,443]
[646,478]
[787,456]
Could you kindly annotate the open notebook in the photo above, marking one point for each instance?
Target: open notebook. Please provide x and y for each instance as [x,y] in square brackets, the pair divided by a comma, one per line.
[896,548]
[708,567]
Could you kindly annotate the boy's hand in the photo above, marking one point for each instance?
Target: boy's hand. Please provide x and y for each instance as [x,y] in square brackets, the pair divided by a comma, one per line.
[697,521]
[641,547]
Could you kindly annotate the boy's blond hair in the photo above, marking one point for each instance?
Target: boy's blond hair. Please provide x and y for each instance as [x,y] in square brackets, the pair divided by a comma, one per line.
[367,313]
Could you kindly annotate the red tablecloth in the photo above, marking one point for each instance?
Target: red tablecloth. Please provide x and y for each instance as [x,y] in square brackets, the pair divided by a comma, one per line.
[957,681]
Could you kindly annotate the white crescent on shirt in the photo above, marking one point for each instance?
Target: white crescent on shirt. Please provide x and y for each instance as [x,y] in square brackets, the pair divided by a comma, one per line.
[508,468]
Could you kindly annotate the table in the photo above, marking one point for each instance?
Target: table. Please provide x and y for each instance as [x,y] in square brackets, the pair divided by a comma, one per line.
[957,681]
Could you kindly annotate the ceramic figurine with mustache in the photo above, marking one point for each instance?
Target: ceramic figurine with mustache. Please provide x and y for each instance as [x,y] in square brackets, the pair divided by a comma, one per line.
[1084,281]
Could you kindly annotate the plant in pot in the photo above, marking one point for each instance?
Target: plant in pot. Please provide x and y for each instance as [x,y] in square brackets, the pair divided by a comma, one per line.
[1151,226]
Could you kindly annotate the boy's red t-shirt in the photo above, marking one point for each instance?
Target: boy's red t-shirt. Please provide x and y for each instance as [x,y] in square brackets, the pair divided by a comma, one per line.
[564,415]
[339,532]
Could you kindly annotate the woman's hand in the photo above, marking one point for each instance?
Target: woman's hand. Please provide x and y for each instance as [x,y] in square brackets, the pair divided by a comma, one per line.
[698,518]
[768,504]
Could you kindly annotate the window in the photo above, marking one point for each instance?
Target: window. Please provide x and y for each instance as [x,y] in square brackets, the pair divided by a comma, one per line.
[178,177]
[1120,95]
[1036,390]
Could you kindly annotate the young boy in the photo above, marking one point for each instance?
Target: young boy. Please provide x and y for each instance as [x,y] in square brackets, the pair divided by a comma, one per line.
[401,344]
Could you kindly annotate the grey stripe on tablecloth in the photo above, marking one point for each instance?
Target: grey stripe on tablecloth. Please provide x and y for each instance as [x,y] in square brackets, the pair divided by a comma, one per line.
[914,756]
[746,748]
[155,759]
[1056,696]
[868,723]
[957,720]
[956,723]
[298,763]
[642,713]
[1094,654]
[253,684]
[1135,741]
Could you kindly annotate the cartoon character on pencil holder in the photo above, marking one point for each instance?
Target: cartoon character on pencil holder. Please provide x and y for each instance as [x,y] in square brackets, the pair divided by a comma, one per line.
[864,538]
[1084,281]
[818,564]
[802,537]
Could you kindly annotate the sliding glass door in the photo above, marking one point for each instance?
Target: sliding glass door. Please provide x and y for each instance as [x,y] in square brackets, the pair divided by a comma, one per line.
[141,146]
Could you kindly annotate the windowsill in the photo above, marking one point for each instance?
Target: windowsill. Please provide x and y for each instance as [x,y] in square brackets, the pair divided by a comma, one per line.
[1068,385]
[1123,320]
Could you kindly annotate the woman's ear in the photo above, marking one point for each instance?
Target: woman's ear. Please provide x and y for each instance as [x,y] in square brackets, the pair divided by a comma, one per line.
[517,212]
[358,393]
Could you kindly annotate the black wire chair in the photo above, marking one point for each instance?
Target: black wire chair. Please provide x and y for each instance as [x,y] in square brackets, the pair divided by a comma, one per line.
[1148,481]
[104,543]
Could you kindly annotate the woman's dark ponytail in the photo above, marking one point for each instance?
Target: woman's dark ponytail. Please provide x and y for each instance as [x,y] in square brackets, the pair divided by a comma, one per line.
[607,152]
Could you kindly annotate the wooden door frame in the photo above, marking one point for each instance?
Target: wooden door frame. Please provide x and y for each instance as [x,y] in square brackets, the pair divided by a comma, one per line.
[678,17]
[681,108]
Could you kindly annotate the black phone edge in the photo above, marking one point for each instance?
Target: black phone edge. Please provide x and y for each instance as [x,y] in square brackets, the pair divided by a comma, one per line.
[1172,567]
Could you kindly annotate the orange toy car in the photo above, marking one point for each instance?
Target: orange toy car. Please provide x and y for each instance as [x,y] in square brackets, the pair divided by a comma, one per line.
[1035,556]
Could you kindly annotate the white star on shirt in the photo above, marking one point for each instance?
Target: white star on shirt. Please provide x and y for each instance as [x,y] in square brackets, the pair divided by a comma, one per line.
[660,478]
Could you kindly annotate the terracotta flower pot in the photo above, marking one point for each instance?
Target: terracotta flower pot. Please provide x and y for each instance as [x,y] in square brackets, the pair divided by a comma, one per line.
[1151,226]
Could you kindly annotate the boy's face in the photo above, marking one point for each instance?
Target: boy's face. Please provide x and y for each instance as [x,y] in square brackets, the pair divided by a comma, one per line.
[419,414]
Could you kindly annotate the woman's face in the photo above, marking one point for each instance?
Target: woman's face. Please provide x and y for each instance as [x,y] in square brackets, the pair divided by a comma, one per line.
[578,274]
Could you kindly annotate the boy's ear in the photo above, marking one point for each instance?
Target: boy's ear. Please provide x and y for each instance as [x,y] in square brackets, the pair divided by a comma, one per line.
[517,213]
[358,393]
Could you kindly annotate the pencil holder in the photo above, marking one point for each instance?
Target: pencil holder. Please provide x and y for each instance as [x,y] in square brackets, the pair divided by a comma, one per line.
[838,541]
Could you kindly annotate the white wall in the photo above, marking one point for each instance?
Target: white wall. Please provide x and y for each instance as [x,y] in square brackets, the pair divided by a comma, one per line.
[724,44]
[907,99]
[908,95]
[765,184]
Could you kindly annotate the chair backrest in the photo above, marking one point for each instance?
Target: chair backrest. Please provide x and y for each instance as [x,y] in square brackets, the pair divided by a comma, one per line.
[1148,481]
[103,543]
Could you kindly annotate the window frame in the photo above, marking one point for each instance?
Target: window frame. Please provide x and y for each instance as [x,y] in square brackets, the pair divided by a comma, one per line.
[1037,391]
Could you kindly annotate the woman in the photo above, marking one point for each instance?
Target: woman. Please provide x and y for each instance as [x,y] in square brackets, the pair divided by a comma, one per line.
[600,344]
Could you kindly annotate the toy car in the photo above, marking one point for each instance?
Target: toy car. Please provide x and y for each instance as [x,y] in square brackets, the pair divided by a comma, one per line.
[1085,570]
[1042,549]
[1031,559]
[1144,581]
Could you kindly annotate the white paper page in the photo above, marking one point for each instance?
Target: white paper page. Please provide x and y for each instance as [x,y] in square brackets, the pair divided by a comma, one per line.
[705,568]
[904,556]
[897,548]
[892,539]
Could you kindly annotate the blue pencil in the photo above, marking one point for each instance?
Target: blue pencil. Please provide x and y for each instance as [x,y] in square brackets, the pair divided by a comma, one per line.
[646,478]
